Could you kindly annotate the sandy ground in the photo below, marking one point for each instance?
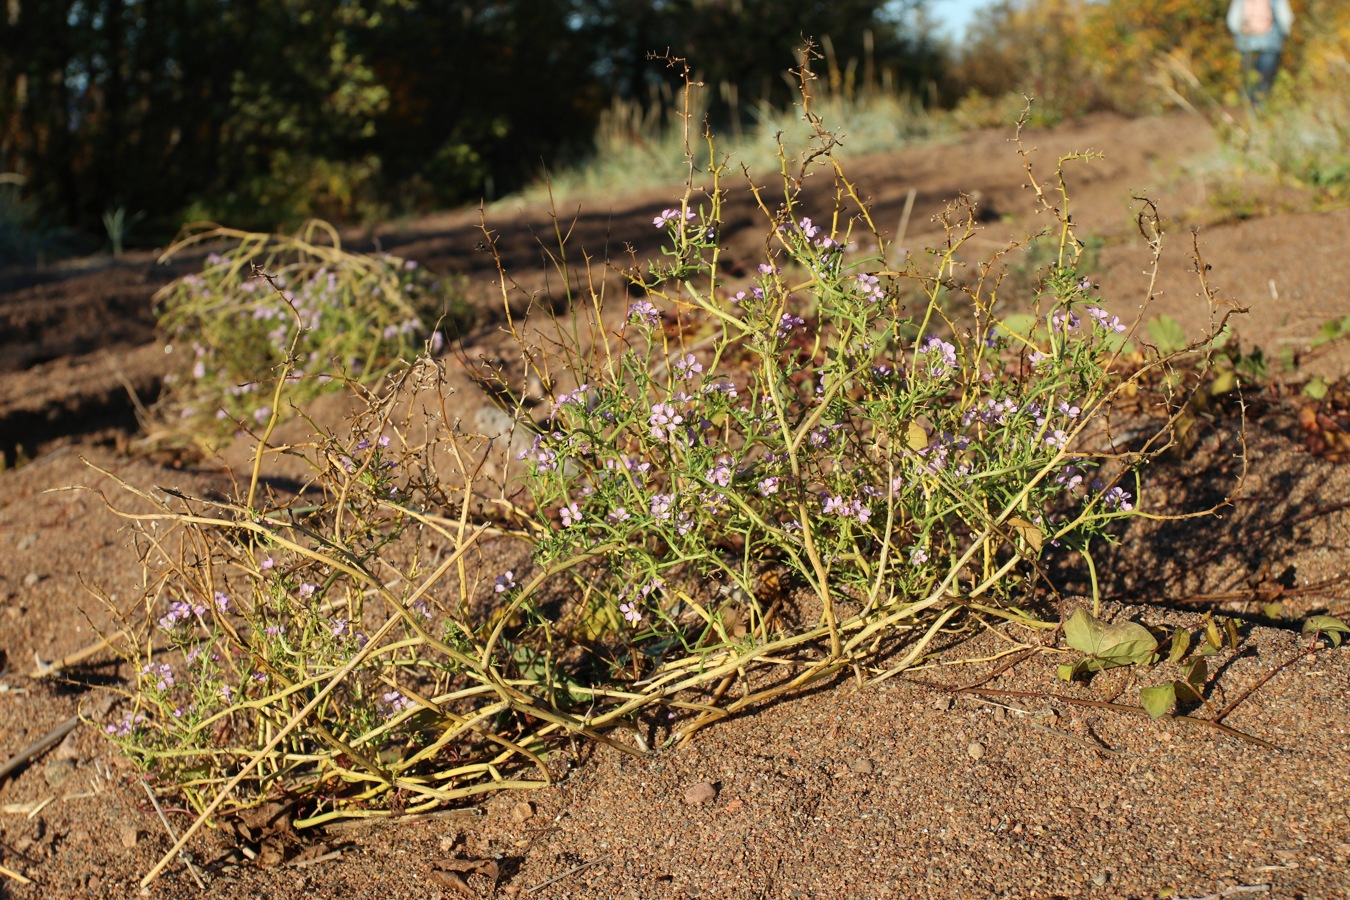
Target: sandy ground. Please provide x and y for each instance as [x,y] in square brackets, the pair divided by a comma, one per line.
[914,788]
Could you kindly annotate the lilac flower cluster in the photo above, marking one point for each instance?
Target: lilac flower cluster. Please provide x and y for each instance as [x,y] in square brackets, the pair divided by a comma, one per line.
[630,607]
[543,457]
[124,728]
[1117,499]
[847,509]
[672,216]
[1105,320]
[179,611]
[941,354]
[393,702]
[870,287]
[644,312]
[664,420]
[161,676]
[787,323]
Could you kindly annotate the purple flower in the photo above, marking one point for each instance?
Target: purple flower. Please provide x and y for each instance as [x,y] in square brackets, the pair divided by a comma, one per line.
[570,515]
[661,504]
[787,323]
[126,726]
[340,627]
[630,612]
[769,485]
[720,474]
[766,269]
[162,675]
[946,354]
[1056,438]
[688,367]
[178,611]
[619,515]
[1063,319]
[918,556]
[505,582]
[306,590]
[808,228]
[1116,498]
[870,286]
[1105,320]
[1070,410]
[227,693]
[267,564]
[643,311]
[669,216]
[393,703]
[1070,477]
[544,459]
[664,420]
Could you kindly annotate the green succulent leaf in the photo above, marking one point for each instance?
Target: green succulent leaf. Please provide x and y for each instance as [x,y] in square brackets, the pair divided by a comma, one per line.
[1167,334]
[1330,626]
[1109,646]
[1159,699]
[1181,643]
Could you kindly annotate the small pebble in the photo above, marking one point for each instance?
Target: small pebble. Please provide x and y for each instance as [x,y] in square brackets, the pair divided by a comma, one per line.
[699,794]
[1100,879]
[862,766]
[942,704]
[522,811]
[976,751]
[58,771]
[28,540]
[31,579]
[130,835]
[1000,714]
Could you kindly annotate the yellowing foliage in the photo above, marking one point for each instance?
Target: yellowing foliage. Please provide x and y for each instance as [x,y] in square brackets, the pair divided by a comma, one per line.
[1076,56]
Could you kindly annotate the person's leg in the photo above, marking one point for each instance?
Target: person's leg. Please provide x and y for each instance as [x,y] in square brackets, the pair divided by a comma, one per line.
[1267,63]
[1250,77]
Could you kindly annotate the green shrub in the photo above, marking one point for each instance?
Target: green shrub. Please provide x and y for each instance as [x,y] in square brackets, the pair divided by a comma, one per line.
[752,486]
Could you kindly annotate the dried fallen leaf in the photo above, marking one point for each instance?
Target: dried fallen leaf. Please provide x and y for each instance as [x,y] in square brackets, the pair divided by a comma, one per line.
[454,881]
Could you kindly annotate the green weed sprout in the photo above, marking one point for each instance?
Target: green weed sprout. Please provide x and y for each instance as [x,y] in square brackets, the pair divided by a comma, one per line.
[332,315]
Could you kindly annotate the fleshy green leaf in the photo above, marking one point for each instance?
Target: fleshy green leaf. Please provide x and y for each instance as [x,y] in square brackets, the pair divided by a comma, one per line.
[1196,671]
[1108,646]
[1167,334]
[1181,642]
[1330,626]
[1159,699]
[1083,631]
[1316,388]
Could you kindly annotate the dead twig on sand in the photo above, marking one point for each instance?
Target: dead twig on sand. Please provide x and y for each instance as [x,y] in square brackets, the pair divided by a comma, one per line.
[569,873]
[10,873]
[1233,892]
[38,747]
[1260,682]
[182,854]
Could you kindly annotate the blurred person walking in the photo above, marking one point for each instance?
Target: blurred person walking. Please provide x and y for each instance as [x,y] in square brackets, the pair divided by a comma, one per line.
[1259,29]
